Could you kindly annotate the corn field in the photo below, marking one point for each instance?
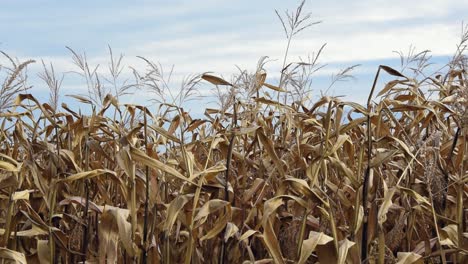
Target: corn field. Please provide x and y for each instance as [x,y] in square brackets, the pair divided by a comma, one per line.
[267,177]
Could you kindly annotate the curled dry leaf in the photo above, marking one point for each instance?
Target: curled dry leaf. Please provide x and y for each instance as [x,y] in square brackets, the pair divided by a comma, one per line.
[173,210]
[409,258]
[309,245]
[12,256]
[116,219]
[215,80]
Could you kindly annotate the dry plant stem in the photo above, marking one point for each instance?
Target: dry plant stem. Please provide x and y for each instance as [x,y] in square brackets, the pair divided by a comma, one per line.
[198,190]
[299,137]
[3,136]
[306,212]
[52,244]
[333,226]
[365,184]
[133,209]
[446,174]
[222,258]
[226,195]
[6,235]
[188,255]
[460,193]
[381,236]
[167,248]
[87,187]
[326,149]
[54,251]
[434,218]
[85,213]
[357,202]
[302,233]
[283,68]
[147,178]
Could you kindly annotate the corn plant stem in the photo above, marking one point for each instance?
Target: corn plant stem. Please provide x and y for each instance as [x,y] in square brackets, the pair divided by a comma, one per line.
[381,245]
[333,227]
[85,213]
[153,223]
[434,218]
[460,192]
[195,201]
[380,229]
[365,183]
[226,194]
[133,209]
[326,150]
[51,214]
[222,258]
[145,224]
[446,174]
[167,248]
[284,65]
[357,203]
[302,233]
[277,107]
[53,252]
[299,137]
[6,235]
[188,255]
[3,136]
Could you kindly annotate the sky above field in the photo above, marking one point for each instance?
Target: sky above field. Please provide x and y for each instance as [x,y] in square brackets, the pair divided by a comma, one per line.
[216,36]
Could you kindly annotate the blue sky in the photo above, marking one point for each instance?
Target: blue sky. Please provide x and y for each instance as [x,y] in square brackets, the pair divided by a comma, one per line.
[215,36]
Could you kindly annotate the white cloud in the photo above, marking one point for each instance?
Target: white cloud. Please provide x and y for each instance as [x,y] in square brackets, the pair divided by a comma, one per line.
[233,33]
[369,11]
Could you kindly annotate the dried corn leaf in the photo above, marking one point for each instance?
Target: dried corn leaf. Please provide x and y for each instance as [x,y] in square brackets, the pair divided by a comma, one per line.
[248,234]
[382,157]
[271,242]
[43,251]
[215,80]
[210,207]
[409,258]
[231,231]
[8,166]
[300,186]
[139,156]
[344,252]
[12,256]
[118,218]
[386,204]
[173,210]
[87,175]
[273,87]
[219,226]
[21,195]
[309,245]
[268,145]
[32,232]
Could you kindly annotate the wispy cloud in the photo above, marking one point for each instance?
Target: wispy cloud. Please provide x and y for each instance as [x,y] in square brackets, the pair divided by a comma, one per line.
[215,36]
